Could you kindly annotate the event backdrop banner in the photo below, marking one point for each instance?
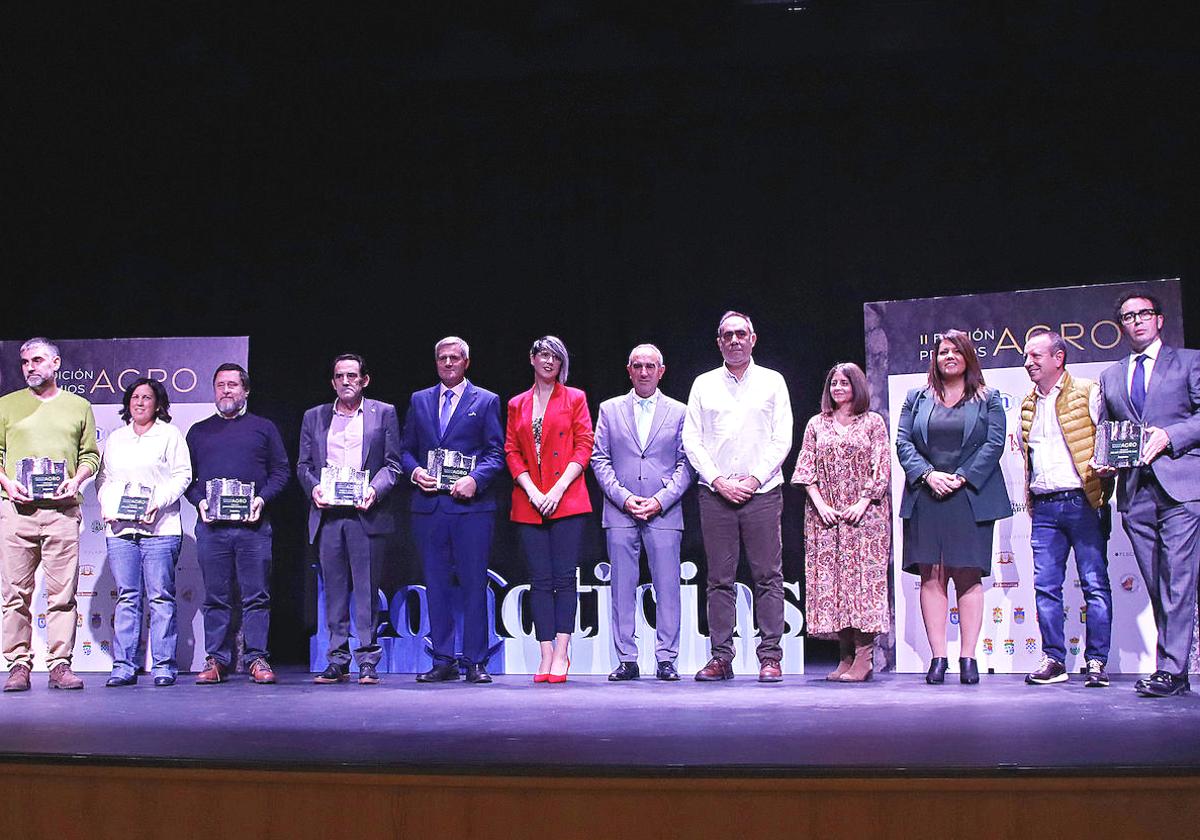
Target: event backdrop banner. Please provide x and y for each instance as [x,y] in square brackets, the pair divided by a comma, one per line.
[900,336]
[99,370]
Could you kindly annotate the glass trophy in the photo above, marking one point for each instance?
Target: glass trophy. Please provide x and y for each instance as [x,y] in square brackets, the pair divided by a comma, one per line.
[448,466]
[1119,443]
[229,499]
[41,476]
[135,501]
[344,485]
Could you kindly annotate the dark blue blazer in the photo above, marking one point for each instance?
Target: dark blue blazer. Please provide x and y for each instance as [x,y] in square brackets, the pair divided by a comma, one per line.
[474,429]
[984,434]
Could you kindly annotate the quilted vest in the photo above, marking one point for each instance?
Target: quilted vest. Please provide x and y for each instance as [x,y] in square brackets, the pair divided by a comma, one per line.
[1077,429]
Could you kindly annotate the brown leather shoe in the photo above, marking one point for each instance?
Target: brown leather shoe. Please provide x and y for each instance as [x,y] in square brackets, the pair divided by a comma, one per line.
[18,678]
[61,676]
[716,669]
[769,671]
[261,672]
[213,673]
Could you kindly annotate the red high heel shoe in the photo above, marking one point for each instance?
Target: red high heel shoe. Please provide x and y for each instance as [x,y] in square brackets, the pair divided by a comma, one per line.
[537,678]
[559,678]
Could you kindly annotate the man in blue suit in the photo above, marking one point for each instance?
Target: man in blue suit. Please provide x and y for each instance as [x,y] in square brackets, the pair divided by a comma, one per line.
[362,434]
[639,461]
[453,527]
[1159,386]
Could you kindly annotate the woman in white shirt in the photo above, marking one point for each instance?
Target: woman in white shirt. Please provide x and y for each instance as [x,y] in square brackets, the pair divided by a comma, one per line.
[148,457]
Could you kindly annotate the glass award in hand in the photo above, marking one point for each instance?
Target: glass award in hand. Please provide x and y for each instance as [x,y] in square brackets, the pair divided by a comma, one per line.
[1119,443]
[448,466]
[229,499]
[135,501]
[41,476]
[344,485]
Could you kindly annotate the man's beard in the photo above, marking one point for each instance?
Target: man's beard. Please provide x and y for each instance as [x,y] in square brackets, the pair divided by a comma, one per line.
[235,406]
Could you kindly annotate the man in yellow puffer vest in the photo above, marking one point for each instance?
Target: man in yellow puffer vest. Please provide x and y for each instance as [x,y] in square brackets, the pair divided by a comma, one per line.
[1066,500]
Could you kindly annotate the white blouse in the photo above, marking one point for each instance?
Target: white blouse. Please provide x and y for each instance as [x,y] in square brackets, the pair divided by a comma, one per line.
[158,458]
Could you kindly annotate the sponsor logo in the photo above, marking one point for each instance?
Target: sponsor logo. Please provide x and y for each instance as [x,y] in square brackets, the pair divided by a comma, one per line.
[78,619]
[1073,646]
[1083,614]
[112,593]
[87,570]
[187,595]
[86,593]
[1006,576]
[97,621]
[997,614]
[954,615]
[96,526]
[105,645]
[41,621]
[1130,583]
[1031,645]
[987,646]
[87,648]
[1010,647]
[1019,615]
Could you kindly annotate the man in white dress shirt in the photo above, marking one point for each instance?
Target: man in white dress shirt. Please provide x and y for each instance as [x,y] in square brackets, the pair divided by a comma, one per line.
[737,431]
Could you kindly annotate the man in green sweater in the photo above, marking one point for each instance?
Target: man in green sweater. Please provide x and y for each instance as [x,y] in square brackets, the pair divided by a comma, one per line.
[42,421]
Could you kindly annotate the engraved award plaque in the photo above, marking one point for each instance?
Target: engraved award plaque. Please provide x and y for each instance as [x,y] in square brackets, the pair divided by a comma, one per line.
[41,476]
[229,499]
[1119,443]
[135,501]
[344,485]
[448,466]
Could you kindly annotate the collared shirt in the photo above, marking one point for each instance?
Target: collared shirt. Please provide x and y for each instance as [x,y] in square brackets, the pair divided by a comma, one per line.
[737,428]
[1053,468]
[458,390]
[643,413]
[1151,354]
[343,446]
[159,459]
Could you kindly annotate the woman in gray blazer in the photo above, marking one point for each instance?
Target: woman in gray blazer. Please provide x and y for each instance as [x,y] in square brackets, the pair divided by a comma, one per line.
[950,439]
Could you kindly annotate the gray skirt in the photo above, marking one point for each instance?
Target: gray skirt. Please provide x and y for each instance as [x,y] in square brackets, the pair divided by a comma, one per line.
[944,532]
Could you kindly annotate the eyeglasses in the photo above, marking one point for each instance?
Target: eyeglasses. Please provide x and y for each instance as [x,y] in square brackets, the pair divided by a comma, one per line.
[1140,315]
[546,356]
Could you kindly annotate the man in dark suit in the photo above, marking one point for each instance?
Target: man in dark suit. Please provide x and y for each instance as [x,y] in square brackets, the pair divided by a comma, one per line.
[452,526]
[639,462]
[361,434]
[1159,386]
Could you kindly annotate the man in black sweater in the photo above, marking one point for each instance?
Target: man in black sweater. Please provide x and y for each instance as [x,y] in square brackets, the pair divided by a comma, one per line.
[235,444]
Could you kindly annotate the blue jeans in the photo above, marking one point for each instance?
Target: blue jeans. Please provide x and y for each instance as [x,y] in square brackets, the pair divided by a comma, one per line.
[1061,523]
[135,561]
[225,551]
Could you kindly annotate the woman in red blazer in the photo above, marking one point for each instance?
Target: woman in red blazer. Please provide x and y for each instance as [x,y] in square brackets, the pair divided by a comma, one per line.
[547,447]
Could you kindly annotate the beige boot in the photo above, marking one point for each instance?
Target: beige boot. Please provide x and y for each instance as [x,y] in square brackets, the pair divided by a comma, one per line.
[864,655]
[845,654]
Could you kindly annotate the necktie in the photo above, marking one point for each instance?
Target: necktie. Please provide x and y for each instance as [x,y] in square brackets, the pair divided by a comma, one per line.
[444,416]
[1137,388]
[643,421]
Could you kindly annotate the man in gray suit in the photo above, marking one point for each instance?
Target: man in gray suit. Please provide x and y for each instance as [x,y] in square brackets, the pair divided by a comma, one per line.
[1159,386]
[639,462]
[363,434]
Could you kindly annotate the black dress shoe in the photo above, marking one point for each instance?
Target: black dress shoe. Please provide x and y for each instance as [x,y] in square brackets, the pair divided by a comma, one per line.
[937,670]
[625,671]
[1164,684]
[440,672]
[666,671]
[117,682]
[164,681]
[968,670]
[333,673]
[367,675]
[477,673]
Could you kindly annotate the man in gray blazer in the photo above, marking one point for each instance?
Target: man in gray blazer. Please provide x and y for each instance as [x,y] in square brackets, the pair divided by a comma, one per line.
[1159,386]
[364,434]
[638,460]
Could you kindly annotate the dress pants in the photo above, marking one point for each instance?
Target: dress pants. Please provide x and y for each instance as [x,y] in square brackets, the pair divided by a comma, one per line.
[552,551]
[136,560]
[223,550]
[725,528]
[1165,535]
[351,563]
[31,536]
[456,545]
[662,552]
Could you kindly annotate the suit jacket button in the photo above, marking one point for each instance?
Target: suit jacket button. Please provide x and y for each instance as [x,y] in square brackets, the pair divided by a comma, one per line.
[643,456]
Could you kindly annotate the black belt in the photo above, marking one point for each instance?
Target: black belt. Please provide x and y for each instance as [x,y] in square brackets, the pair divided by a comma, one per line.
[1060,496]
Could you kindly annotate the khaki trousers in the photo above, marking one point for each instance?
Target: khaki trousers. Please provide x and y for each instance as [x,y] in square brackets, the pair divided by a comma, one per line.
[32,536]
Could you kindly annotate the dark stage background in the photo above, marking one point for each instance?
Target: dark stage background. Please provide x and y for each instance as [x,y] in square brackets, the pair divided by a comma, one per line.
[324,179]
